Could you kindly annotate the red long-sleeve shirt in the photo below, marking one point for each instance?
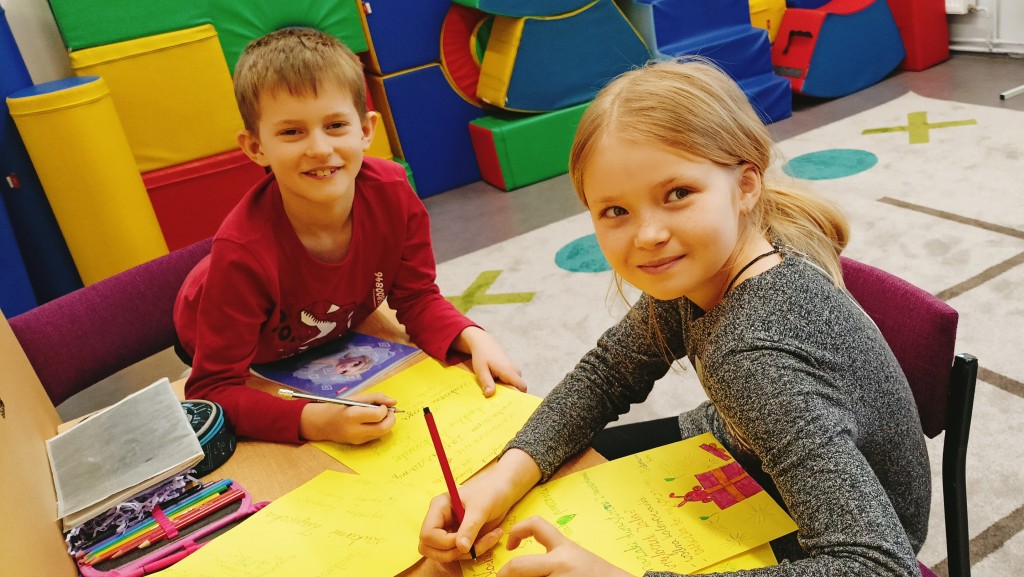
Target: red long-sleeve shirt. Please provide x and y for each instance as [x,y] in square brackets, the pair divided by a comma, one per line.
[260,296]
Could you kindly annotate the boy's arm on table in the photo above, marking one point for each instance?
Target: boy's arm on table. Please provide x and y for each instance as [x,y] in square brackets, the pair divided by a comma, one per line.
[433,323]
[226,332]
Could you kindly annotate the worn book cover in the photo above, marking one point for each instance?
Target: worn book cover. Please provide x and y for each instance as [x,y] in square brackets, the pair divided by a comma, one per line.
[339,368]
[120,451]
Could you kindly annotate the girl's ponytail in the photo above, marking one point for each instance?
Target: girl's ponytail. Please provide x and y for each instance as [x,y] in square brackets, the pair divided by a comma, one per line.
[807,222]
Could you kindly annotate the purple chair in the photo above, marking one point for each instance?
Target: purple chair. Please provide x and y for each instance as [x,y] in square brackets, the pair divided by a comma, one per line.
[85,336]
[921,331]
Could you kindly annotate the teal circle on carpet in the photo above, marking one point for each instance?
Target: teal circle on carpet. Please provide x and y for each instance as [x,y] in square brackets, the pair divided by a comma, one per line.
[582,255]
[829,164]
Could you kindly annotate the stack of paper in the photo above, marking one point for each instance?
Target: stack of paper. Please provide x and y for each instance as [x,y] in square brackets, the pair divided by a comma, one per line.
[687,507]
[119,452]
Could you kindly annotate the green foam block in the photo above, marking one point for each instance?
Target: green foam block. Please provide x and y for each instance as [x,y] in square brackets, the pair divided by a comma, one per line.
[408,171]
[99,22]
[85,24]
[514,150]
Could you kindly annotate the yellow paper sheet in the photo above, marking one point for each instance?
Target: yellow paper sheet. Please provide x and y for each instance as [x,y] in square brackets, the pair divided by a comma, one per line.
[628,511]
[335,525]
[760,556]
[473,428]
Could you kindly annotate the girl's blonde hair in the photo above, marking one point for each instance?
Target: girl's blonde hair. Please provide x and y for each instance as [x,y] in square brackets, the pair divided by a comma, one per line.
[692,106]
[299,60]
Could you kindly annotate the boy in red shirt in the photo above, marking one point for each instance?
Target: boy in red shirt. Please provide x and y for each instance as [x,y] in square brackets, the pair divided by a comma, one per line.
[314,248]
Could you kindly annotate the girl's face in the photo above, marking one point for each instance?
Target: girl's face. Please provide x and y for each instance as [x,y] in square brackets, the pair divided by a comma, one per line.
[669,223]
[353,365]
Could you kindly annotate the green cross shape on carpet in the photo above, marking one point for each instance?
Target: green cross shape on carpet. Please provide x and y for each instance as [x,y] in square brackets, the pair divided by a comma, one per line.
[918,127]
[476,294]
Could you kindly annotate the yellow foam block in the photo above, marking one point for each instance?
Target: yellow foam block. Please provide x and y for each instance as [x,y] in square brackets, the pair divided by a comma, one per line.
[385,122]
[767,14]
[72,134]
[499,60]
[173,93]
[380,147]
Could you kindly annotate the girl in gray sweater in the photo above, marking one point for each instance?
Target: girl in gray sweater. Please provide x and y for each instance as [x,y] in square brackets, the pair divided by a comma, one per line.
[744,279]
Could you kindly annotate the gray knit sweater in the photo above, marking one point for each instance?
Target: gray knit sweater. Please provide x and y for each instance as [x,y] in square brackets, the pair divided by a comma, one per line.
[805,394]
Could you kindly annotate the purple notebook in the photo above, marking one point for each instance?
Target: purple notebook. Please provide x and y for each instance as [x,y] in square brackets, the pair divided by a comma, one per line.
[339,368]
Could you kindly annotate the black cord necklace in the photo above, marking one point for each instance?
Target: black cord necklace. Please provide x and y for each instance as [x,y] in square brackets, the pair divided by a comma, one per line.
[775,250]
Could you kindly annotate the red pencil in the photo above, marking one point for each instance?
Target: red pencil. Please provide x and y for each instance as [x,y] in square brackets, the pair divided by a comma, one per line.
[446,470]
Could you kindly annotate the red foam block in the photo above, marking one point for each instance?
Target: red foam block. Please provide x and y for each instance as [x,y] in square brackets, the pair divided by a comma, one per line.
[191,199]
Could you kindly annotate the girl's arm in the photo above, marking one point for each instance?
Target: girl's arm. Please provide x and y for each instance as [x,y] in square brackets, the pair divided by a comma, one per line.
[787,411]
[619,371]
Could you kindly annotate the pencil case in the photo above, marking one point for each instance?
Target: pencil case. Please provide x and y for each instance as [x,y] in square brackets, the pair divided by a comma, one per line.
[178,543]
[214,432]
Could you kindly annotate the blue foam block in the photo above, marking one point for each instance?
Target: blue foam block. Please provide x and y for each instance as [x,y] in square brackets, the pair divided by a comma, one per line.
[564,61]
[742,52]
[405,34]
[854,51]
[721,32]
[46,257]
[809,4]
[16,294]
[770,95]
[432,125]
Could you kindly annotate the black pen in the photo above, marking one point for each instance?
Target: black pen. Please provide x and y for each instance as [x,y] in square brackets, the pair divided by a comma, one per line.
[288,393]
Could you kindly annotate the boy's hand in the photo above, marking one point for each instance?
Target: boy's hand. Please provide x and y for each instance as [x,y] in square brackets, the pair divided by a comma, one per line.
[350,425]
[489,360]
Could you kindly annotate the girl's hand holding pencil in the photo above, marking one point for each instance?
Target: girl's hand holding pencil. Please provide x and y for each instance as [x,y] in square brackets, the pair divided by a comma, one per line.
[486,499]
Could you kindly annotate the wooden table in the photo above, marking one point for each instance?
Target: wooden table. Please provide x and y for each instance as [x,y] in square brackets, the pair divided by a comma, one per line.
[269,470]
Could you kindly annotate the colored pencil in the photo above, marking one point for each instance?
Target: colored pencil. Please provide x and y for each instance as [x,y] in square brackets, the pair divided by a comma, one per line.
[197,514]
[211,489]
[137,535]
[184,520]
[191,487]
[446,470]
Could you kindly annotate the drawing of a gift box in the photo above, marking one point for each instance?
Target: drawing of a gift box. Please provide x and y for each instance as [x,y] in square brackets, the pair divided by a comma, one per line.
[724,486]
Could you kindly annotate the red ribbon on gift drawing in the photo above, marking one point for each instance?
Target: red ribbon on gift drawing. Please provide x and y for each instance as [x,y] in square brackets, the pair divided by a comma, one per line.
[724,486]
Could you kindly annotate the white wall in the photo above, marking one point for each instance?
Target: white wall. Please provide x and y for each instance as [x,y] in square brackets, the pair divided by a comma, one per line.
[36,33]
[996,26]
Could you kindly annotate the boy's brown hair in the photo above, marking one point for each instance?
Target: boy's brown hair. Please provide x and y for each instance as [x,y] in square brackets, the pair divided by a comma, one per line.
[299,60]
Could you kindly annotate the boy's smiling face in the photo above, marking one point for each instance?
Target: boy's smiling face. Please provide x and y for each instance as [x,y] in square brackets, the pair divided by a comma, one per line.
[313,143]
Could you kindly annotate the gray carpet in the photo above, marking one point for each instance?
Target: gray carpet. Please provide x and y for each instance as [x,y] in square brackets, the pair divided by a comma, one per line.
[933,193]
